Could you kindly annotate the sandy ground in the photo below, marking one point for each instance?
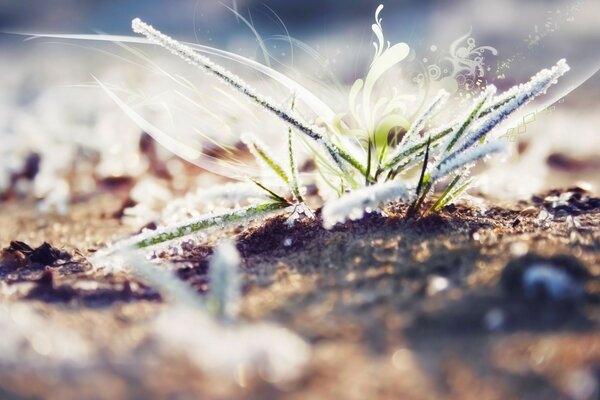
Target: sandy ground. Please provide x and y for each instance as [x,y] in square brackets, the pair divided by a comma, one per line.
[392,308]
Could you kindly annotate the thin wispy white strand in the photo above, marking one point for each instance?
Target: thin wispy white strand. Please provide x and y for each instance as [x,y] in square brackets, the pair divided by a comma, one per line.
[465,158]
[354,204]
[526,92]
[187,54]
[225,281]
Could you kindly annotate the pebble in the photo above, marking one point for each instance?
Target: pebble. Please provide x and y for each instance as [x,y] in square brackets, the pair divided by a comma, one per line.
[532,277]
[437,284]
[529,212]
[494,319]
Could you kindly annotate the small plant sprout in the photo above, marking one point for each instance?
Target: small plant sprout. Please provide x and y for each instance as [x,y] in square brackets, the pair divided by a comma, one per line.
[367,155]
[225,281]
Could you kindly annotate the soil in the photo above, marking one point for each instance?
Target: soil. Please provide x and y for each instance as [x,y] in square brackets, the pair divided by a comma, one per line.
[430,308]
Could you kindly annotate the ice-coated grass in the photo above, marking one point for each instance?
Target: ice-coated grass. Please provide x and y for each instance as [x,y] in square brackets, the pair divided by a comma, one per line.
[356,154]
[442,151]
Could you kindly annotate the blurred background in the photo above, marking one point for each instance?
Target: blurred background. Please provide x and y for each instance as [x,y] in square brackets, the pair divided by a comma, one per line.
[50,112]
[565,28]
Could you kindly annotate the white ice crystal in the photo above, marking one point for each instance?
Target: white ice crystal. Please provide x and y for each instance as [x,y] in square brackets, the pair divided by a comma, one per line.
[449,165]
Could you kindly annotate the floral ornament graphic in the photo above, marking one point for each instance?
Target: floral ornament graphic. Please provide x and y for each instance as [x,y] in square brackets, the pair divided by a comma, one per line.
[461,68]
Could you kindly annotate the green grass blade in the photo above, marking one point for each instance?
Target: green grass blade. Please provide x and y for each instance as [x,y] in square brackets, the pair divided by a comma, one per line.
[397,160]
[204,222]
[294,180]
[264,157]
[473,115]
[424,168]
[441,201]
[272,195]
[454,194]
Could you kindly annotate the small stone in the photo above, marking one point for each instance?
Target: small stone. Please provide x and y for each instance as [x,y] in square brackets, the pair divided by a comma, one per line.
[529,212]
[494,319]
[519,249]
[532,277]
[437,284]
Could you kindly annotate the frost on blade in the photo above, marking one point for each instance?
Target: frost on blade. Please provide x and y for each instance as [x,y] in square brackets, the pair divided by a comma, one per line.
[183,229]
[264,157]
[211,197]
[225,281]
[411,137]
[518,97]
[473,114]
[354,204]
[463,159]
[187,54]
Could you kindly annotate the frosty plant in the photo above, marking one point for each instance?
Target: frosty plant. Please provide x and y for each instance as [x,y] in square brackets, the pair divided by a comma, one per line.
[368,154]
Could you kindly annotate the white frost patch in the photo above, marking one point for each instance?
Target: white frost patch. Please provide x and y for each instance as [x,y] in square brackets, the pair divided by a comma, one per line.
[229,350]
[354,204]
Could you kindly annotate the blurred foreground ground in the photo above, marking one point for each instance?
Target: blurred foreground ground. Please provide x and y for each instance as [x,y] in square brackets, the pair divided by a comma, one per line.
[390,308]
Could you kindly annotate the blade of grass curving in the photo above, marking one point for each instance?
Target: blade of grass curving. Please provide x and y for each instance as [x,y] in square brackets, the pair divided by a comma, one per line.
[473,115]
[397,160]
[524,94]
[294,181]
[186,53]
[271,194]
[436,206]
[447,199]
[203,222]
[263,155]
